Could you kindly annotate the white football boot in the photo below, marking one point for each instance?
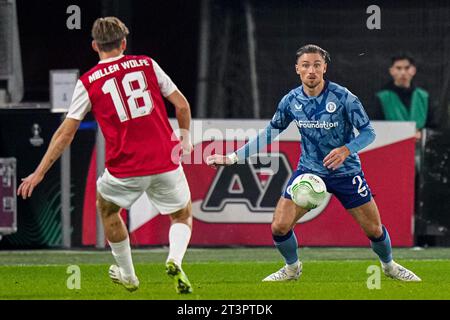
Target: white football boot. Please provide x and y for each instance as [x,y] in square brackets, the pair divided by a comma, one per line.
[285,274]
[117,277]
[398,272]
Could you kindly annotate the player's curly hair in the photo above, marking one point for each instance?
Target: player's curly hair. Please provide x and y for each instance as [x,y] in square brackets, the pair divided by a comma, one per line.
[108,33]
[312,48]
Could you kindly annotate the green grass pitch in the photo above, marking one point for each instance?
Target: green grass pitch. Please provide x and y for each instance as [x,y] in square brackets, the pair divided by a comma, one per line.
[223,274]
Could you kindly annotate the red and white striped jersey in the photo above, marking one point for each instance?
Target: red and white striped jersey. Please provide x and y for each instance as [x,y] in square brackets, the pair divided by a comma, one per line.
[124,94]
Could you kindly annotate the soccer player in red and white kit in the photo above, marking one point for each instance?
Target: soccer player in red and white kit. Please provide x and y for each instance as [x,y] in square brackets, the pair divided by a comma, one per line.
[125,94]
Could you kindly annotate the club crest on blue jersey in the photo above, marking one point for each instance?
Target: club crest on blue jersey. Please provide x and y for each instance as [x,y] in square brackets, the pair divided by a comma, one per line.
[331,107]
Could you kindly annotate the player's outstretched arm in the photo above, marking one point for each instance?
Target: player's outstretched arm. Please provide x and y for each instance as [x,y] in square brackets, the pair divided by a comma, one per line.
[280,121]
[183,114]
[254,146]
[60,140]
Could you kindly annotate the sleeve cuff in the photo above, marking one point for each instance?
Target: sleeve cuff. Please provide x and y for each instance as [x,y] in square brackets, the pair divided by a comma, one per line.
[167,93]
[350,148]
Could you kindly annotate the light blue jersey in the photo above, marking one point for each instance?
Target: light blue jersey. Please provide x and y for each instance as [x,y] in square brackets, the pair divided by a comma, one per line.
[325,122]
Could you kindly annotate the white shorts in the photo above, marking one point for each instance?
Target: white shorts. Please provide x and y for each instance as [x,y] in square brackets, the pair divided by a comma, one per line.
[168,191]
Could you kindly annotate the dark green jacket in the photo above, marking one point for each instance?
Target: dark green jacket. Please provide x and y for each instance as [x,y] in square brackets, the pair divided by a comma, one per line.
[395,110]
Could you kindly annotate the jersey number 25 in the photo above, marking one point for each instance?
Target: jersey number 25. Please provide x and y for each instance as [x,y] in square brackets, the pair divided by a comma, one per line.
[133,94]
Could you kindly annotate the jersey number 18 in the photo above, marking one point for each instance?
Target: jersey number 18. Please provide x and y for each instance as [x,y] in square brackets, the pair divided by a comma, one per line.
[133,94]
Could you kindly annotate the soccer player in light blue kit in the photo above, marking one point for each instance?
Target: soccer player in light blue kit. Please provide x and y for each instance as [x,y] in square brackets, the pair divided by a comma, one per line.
[325,114]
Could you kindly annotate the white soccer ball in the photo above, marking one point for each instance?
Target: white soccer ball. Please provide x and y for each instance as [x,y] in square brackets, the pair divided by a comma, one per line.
[308,191]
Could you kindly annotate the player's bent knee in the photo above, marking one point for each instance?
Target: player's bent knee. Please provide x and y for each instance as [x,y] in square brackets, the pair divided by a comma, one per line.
[108,211]
[280,229]
[374,231]
[182,215]
[105,207]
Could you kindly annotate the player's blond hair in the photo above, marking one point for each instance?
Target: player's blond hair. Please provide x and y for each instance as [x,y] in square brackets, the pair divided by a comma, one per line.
[108,33]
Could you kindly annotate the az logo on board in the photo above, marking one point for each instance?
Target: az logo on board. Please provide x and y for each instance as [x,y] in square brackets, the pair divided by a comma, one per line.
[248,193]
[257,184]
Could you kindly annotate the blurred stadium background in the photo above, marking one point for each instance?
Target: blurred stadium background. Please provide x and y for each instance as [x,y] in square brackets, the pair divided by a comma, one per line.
[233,60]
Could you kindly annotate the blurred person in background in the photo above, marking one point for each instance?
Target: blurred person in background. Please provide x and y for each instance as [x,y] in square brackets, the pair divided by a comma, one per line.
[402,100]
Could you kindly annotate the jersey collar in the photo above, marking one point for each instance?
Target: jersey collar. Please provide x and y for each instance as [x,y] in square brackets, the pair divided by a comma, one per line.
[325,87]
[111,59]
